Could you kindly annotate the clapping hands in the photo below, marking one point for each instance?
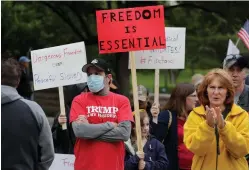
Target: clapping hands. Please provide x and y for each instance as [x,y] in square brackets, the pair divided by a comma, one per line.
[214,116]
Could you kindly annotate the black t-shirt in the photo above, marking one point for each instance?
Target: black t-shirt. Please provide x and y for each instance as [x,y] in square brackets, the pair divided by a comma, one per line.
[24,88]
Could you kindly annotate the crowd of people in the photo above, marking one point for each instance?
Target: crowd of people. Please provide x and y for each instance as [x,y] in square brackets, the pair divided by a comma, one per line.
[203,126]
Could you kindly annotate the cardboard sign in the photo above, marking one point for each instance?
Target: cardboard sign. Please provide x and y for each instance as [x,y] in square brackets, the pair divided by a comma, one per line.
[171,57]
[131,29]
[58,66]
[63,162]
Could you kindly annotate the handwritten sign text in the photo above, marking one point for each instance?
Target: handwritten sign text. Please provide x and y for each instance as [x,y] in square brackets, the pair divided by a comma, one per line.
[58,66]
[63,162]
[171,57]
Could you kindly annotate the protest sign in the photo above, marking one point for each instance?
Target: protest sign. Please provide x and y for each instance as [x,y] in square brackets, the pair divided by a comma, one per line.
[171,57]
[58,66]
[131,29]
[128,30]
[63,162]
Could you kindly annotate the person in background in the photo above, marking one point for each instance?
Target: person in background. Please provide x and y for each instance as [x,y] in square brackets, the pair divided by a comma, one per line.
[218,114]
[114,87]
[168,128]
[235,66]
[144,103]
[26,137]
[154,157]
[247,80]
[101,122]
[64,140]
[196,81]
[24,87]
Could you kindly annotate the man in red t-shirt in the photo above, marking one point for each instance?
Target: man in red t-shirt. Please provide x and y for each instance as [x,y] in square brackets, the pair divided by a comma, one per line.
[101,121]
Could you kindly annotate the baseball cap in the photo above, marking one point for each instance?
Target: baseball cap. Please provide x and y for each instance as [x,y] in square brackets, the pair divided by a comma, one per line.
[99,63]
[235,59]
[142,93]
[24,59]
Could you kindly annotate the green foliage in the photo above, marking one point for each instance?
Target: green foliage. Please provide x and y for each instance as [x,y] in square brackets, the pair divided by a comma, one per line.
[33,26]
[148,79]
[41,24]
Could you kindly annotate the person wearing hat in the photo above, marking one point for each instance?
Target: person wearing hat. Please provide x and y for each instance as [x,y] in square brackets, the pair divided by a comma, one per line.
[235,65]
[101,121]
[144,103]
[24,87]
[114,87]
[247,77]
[64,140]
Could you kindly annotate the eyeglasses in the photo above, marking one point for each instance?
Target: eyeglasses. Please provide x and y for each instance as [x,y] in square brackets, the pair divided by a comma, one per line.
[214,89]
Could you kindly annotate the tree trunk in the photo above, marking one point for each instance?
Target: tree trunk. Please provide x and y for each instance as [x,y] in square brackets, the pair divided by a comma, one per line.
[123,73]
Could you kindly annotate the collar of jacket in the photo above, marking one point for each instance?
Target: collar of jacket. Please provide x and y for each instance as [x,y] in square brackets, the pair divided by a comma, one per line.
[244,92]
[236,110]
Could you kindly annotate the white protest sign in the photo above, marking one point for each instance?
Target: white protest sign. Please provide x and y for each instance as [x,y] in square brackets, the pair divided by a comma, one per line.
[58,66]
[172,57]
[63,162]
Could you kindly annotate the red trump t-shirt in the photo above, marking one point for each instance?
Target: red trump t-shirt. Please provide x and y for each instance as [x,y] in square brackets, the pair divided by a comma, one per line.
[91,154]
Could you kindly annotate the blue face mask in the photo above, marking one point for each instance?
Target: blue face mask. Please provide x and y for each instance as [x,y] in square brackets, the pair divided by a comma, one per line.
[95,83]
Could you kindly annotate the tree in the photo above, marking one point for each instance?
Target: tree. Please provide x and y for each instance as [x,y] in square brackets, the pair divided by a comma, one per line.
[45,24]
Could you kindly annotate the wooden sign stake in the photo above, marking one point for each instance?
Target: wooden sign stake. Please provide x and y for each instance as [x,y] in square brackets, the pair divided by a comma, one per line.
[62,105]
[135,100]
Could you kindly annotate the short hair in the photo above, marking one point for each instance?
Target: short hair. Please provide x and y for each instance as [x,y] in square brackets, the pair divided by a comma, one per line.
[223,77]
[177,100]
[197,79]
[11,72]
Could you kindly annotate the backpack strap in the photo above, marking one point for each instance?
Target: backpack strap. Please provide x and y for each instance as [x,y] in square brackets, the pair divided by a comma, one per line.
[170,119]
[169,123]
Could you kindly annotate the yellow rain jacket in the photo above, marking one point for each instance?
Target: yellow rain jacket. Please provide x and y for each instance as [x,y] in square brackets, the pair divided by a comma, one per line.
[200,139]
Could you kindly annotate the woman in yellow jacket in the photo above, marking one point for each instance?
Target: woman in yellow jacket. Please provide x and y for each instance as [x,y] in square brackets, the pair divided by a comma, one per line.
[217,119]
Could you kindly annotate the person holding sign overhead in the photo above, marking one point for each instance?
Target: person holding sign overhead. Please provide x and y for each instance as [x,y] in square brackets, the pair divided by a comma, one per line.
[101,121]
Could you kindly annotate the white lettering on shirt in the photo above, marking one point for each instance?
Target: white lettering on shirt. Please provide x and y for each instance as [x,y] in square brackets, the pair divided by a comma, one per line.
[102,111]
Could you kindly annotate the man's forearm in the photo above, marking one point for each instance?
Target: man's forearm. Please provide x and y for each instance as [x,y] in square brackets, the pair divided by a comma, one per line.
[121,133]
[91,131]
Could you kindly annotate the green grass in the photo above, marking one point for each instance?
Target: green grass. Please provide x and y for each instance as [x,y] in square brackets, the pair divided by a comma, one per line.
[146,78]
